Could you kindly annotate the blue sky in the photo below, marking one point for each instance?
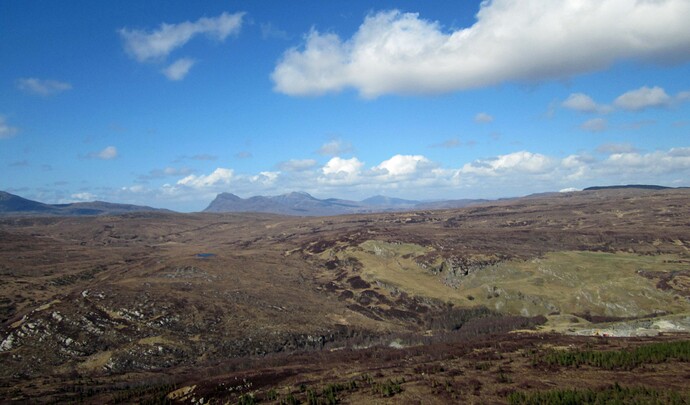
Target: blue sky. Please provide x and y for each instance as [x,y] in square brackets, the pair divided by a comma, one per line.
[169,103]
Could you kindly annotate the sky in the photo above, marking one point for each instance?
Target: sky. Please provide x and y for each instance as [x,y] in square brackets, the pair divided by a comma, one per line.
[168,103]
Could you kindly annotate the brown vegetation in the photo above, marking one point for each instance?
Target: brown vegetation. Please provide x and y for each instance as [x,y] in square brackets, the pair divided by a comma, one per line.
[122,307]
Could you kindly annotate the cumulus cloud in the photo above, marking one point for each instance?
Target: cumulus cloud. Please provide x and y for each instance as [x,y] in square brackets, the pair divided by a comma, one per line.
[339,166]
[585,104]
[146,46]
[522,161]
[483,118]
[6,130]
[219,177]
[297,165]
[179,69]
[395,52]
[334,147]
[595,125]
[658,162]
[642,98]
[401,165]
[417,177]
[580,102]
[266,178]
[42,87]
[107,153]
[633,100]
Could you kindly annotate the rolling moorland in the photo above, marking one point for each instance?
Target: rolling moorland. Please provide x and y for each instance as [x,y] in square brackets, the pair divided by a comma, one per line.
[569,295]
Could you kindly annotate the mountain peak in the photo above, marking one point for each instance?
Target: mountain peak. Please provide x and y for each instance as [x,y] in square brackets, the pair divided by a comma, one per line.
[229,196]
[298,195]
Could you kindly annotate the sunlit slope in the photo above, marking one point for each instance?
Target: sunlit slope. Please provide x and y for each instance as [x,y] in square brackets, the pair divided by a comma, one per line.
[600,284]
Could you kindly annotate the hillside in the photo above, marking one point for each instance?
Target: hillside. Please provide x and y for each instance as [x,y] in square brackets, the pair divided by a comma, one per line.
[13,205]
[162,300]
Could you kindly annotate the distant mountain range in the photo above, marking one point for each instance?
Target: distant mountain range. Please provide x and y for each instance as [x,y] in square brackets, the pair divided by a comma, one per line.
[640,186]
[295,203]
[300,203]
[13,205]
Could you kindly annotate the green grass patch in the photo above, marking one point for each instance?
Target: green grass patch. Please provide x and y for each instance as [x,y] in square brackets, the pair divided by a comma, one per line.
[601,284]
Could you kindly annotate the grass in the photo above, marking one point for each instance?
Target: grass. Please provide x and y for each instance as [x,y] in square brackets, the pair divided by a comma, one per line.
[570,282]
[576,282]
[394,264]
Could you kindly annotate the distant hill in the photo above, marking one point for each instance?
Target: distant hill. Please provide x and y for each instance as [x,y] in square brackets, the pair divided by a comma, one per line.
[13,205]
[301,203]
[384,201]
[296,203]
[638,186]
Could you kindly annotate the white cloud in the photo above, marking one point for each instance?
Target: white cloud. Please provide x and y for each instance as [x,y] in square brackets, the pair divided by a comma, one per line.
[42,87]
[107,153]
[219,177]
[679,152]
[297,165]
[658,162]
[529,40]
[512,174]
[401,165]
[137,189]
[522,161]
[483,118]
[179,69]
[584,103]
[644,97]
[6,130]
[580,102]
[595,125]
[265,178]
[633,100]
[334,147]
[339,166]
[147,46]
[85,196]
